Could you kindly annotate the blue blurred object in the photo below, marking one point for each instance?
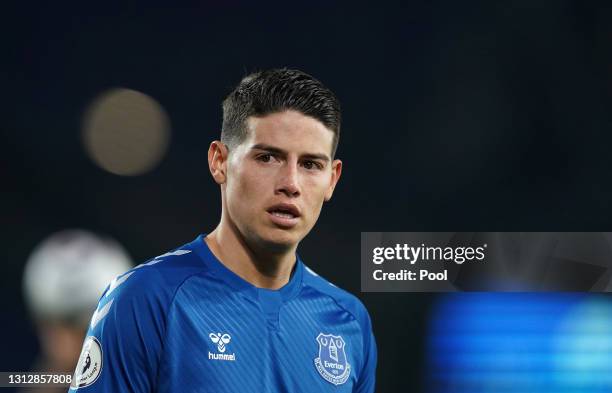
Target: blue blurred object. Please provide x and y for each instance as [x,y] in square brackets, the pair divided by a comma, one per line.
[528,343]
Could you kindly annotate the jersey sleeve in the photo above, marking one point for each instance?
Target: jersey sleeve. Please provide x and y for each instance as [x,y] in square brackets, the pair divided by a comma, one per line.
[367,376]
[122,346]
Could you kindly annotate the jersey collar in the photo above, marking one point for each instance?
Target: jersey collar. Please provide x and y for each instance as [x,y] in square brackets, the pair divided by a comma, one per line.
[287,292]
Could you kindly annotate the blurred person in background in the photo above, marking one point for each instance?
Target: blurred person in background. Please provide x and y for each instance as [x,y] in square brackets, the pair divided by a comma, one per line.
[63,280]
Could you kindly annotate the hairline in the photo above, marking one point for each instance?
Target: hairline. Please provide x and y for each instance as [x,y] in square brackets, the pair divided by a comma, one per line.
[245,130]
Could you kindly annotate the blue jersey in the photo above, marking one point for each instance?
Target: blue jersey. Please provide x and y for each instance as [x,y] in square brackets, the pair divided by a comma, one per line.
[183,322]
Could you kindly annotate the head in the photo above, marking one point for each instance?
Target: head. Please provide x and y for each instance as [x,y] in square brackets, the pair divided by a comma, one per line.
[275,161]
[63,280]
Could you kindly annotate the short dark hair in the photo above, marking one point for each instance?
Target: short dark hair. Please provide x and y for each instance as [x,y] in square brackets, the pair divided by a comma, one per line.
[266,92]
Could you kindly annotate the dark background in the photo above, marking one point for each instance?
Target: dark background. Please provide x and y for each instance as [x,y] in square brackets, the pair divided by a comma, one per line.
[458,116]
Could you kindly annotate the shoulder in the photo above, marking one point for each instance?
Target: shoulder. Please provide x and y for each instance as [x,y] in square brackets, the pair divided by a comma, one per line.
[345,300]
[158,278]
[129,325]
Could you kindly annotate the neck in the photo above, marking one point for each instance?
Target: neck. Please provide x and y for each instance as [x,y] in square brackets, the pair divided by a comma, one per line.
[260,267]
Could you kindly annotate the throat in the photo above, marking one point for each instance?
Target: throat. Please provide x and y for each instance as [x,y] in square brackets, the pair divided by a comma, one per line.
[261,268]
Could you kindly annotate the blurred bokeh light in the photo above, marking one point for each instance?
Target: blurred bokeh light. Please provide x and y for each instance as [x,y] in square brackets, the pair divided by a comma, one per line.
[583,347]
[126,132]
[493,342]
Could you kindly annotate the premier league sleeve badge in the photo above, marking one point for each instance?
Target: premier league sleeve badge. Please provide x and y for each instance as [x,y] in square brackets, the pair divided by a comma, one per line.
[332,363]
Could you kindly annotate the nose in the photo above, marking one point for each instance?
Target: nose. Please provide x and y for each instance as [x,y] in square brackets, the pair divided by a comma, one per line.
[288,182]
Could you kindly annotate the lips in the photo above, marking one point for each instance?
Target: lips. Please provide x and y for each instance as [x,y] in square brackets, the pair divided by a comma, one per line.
[285,209]
[284,215]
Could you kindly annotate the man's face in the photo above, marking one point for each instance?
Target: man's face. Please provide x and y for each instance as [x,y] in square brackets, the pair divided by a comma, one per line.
[279,177]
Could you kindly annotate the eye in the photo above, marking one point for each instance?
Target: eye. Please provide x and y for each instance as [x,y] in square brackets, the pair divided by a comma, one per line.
[309,164]
[264,157]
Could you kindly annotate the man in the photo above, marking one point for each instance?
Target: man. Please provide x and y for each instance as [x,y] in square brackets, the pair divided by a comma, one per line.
[68,262]
[237,310]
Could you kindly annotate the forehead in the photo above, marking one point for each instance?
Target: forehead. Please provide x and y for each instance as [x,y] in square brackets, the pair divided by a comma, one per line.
[289,130]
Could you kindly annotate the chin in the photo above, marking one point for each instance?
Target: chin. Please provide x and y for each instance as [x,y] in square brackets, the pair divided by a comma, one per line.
[277,239]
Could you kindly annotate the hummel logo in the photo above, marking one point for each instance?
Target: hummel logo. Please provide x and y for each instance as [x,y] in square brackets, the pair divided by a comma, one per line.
[220,340]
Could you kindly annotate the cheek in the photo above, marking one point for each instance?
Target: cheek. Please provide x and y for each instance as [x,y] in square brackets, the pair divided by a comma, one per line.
[252,182]
[315,195]
[245,186]
[237,178]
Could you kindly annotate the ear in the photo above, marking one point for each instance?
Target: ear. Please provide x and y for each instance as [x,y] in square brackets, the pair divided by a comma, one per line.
[336,171]
[217,161]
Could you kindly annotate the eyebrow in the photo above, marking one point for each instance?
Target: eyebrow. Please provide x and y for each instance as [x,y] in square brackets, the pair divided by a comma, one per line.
[276,150]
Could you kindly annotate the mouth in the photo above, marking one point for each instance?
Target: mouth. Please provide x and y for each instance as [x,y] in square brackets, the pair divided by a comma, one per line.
[284,215]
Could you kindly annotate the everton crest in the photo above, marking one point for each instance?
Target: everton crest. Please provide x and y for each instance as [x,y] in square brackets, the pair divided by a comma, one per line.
[332,363]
